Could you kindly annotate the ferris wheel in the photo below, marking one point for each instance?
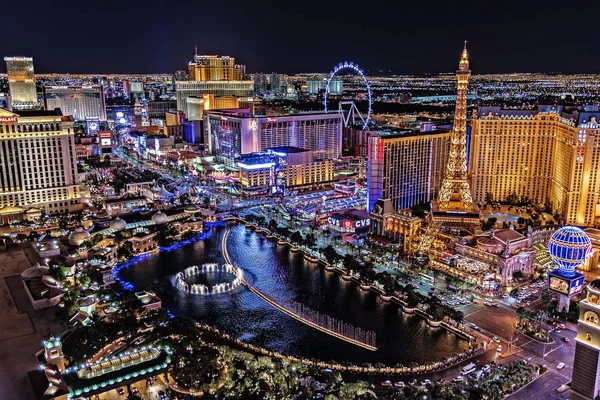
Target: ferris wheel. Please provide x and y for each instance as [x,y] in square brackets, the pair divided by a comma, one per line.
[351,114]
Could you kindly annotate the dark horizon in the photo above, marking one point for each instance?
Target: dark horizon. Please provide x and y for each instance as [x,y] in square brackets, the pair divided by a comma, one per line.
[407,39]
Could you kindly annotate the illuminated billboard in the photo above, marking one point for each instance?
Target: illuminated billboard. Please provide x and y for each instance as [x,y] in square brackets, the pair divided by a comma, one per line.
[565,286]
[279,187]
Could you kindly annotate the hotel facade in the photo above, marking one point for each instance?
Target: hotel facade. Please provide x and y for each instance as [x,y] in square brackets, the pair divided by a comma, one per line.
[21,82]
[80,102]
[231,133]
[38,161]
[406,166]
[545,153]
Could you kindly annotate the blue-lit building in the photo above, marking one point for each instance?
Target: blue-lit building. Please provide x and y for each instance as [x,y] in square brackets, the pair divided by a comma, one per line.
[406,166]
[283,168]
[193,132]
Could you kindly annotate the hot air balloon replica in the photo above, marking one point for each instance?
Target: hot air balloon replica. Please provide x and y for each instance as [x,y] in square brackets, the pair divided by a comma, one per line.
[569,247]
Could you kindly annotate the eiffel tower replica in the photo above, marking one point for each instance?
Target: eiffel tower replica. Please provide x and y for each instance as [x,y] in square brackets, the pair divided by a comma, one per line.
[454,208]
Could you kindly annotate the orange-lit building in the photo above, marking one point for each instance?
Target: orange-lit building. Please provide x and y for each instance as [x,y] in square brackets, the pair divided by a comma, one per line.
[547,152]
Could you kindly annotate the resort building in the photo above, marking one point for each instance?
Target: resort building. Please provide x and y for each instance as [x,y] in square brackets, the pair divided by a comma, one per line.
[79,102]
[283,168]
[548,152]
[504,251]
[37,161]
[406,166]
[389,226]
[231,133]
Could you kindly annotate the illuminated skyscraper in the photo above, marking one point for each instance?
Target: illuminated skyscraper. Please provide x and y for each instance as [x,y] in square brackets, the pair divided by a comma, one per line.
[37,161]
[212,68]
[185,89]
[260,83]
[276,80]
[80,102]
[542,153]
[21,82]
[406,166]
[239,72]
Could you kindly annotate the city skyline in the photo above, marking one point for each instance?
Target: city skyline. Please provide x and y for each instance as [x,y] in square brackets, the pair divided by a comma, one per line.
[206,232]
[402,38]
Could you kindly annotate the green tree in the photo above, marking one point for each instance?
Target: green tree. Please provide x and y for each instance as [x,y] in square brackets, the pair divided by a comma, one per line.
[296,237]
[126,250]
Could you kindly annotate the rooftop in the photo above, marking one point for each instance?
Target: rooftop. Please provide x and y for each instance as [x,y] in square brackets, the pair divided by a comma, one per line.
[393,133]
[287,149]
[40,113]
[112,372]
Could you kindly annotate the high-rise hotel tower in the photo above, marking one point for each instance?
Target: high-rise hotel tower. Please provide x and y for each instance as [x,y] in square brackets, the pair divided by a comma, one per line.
[21,82]
[37,162]
[547,152]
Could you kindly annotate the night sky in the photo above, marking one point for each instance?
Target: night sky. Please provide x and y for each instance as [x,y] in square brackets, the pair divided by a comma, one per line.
[129,36]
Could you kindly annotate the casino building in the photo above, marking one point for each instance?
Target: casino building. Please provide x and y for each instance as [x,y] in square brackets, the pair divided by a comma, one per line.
[80,102]
[37,161]
[546,152]
[406,166]
[281,168]
[231,133]
[21,83]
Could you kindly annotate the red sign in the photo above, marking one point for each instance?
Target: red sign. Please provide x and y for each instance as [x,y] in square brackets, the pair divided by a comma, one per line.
[347,224]
[105,134]
[8,119]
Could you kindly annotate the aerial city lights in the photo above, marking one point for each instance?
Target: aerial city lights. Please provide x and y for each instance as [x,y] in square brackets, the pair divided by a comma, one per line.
[405,225]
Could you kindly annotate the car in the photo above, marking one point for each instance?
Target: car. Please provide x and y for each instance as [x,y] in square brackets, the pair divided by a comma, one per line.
[560,365]
[496,305]
[474,326]
[565,339]
[399,384]
[496,339]
[562,326]
[414,382]
[485,368]
[386,383]
[458,379]
[440,381]
[562,388]
[499,349]
[426,382]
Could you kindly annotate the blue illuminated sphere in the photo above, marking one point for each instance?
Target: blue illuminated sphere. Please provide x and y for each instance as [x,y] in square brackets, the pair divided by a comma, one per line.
[569,247]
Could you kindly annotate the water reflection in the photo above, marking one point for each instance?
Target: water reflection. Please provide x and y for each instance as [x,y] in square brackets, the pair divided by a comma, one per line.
[281,274]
